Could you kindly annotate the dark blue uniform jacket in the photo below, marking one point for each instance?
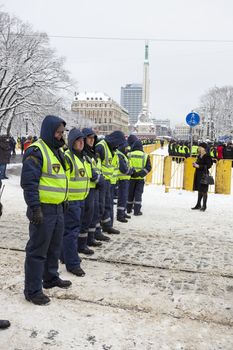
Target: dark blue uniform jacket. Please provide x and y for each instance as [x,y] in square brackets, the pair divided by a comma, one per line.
[33,160]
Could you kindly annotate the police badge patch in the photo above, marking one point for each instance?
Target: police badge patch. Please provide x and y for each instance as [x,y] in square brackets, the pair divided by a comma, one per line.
[82,172]
[110,161]
[56,168]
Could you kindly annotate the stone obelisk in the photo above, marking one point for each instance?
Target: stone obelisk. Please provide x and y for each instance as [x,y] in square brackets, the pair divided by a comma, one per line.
[144,124]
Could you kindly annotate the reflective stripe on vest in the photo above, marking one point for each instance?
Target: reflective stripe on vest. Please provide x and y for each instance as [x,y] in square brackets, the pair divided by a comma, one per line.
[122,176]
[107,166]
[79,182]
[115,163]
[53,185]
[137,160]
[96,166]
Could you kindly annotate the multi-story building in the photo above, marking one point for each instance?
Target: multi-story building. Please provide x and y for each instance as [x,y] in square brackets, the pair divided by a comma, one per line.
[182,132]
[131,99]
[105,114]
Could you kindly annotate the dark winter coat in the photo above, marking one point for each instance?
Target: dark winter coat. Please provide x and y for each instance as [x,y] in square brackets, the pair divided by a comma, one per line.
[114,140]
[33,160]
[5,149]
[205,163]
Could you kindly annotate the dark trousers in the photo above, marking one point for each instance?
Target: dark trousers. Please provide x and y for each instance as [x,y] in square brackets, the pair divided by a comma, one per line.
[136,188]
[43,248]
[105,205]
[86,218]
[95,219]
[2,171]
[123,188]
[72,229]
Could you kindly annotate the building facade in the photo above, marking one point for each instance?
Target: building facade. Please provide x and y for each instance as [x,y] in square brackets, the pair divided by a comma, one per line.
[131,99]
[105,114]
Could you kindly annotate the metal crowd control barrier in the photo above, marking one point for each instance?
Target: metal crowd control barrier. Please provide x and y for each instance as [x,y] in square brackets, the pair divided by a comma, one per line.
[178,173]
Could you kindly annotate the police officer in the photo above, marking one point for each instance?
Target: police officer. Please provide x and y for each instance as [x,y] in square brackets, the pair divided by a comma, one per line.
[140,161]
[124,175]
[95,236]
[45,187]
[79,185]
[106,150]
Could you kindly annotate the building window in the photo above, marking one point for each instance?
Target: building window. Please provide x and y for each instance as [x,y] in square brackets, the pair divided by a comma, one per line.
[105,120]
[110,120]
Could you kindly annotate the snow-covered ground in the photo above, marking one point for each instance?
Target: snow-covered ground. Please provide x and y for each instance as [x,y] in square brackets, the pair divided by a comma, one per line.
[164,283]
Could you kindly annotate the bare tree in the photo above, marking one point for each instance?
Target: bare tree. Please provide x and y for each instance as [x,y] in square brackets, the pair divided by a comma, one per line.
[32,78]
[216,110]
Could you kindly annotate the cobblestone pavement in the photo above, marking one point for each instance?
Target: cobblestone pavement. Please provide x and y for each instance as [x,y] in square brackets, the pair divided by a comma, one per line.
[175,285]
[147,308]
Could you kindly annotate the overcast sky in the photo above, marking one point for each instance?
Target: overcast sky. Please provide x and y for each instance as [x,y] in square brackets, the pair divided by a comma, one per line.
[180,72]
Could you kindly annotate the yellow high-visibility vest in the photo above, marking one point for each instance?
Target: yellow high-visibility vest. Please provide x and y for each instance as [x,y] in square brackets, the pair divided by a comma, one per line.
[79,182]
[53,185]
[96,166]
[137,160]
[115,163]
[106,164]
[122,176]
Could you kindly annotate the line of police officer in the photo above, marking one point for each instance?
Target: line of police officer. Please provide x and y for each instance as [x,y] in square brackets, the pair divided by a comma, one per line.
[69,195]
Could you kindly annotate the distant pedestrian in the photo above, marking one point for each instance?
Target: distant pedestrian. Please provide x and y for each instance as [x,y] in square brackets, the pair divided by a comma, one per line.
[5,155]
[202,165]
[27,142]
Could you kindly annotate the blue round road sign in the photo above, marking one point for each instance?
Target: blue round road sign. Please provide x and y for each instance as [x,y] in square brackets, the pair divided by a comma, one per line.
[192,119]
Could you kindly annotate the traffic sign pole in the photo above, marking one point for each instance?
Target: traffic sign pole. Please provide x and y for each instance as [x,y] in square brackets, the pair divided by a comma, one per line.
[192,119]
[191,140]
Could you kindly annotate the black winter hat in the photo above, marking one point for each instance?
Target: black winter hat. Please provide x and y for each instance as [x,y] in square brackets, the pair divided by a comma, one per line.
[203,145]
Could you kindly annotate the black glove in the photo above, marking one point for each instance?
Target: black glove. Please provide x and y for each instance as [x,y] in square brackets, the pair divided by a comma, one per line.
[140,173]
[37,216]
[100,183]
[131,171]
[135,174]
[1,207]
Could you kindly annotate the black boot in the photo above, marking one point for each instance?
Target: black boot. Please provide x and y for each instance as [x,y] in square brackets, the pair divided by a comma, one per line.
[4,324]
[86,251]
[199,198]
[122,219]
[94,243]
[127,216]
[203,208]
[101,237]
[112,231]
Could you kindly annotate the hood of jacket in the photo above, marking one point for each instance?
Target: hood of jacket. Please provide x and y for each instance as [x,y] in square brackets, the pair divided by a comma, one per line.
[115,139]
[137,146]
[74,134]
[48,127]
[131,139]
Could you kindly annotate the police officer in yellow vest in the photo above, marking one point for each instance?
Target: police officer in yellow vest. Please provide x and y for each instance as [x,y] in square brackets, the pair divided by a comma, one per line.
[45,185]
[106,149]
[124,174]
[79,186]
[140,161]
[91,221]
